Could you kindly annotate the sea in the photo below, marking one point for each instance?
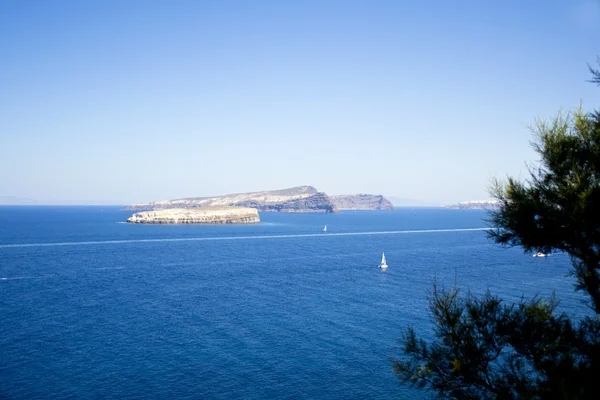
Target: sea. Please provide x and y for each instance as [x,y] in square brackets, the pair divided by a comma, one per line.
[94,308]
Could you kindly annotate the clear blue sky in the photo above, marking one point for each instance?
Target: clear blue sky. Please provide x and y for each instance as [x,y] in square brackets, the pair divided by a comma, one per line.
[127,101]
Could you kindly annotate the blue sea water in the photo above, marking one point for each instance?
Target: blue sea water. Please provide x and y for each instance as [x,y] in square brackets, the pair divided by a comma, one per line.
[91,307]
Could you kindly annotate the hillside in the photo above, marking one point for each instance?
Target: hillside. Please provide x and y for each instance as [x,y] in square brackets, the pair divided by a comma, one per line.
[302,199]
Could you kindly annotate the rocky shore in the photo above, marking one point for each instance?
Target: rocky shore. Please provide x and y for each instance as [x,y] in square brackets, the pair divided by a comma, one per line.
[198,215]
[362,202]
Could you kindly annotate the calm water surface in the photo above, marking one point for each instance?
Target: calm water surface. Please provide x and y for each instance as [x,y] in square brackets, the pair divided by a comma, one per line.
[95,308]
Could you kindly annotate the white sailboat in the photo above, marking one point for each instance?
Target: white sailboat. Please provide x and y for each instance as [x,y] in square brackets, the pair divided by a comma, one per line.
[383,264]
[325,229]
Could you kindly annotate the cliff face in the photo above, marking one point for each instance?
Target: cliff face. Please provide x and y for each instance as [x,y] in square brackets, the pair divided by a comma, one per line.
[198,215]
[317,203]
[297,199]
[362,202]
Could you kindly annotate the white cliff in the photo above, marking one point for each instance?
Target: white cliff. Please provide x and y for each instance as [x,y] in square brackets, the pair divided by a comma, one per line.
[197,215]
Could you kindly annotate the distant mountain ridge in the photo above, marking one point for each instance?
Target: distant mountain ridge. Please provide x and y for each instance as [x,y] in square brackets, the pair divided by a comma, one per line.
[361,202]
[304,199]
[299,199]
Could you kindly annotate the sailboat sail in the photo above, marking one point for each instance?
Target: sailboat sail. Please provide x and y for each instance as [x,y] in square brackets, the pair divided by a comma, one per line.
[383,262]
[325,229]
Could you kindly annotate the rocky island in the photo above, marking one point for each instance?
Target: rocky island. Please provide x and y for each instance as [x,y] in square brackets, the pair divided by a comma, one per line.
[301,199]
[362,202]
[198,215]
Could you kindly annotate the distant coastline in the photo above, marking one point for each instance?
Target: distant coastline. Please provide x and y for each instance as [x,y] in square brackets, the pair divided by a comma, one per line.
[475,205]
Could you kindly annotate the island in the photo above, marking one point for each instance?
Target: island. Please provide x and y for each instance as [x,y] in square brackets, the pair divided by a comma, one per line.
[362,202]
[198,215]
[475,205]
[301,199]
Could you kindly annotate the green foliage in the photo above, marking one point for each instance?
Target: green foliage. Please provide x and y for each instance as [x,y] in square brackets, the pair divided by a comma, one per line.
[557,209]
[487,349]
[595,74]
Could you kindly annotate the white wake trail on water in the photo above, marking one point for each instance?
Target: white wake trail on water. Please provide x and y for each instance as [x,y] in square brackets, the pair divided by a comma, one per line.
[17,278]
[257,237]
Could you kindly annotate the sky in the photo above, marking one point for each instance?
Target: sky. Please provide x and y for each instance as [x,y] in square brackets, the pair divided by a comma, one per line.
[117,102]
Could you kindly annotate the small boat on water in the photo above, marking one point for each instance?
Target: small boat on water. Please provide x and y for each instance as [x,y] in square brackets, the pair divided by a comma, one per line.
[383,264]
[539,254]
[325,229]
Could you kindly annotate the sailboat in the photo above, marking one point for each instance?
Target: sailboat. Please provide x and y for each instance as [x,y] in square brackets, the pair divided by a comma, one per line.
[383,264]
[325,229]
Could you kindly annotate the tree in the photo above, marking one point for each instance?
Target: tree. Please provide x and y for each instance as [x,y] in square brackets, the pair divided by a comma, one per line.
[488,349]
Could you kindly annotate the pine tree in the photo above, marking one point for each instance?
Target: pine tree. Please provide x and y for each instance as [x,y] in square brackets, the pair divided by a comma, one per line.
[486,348]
